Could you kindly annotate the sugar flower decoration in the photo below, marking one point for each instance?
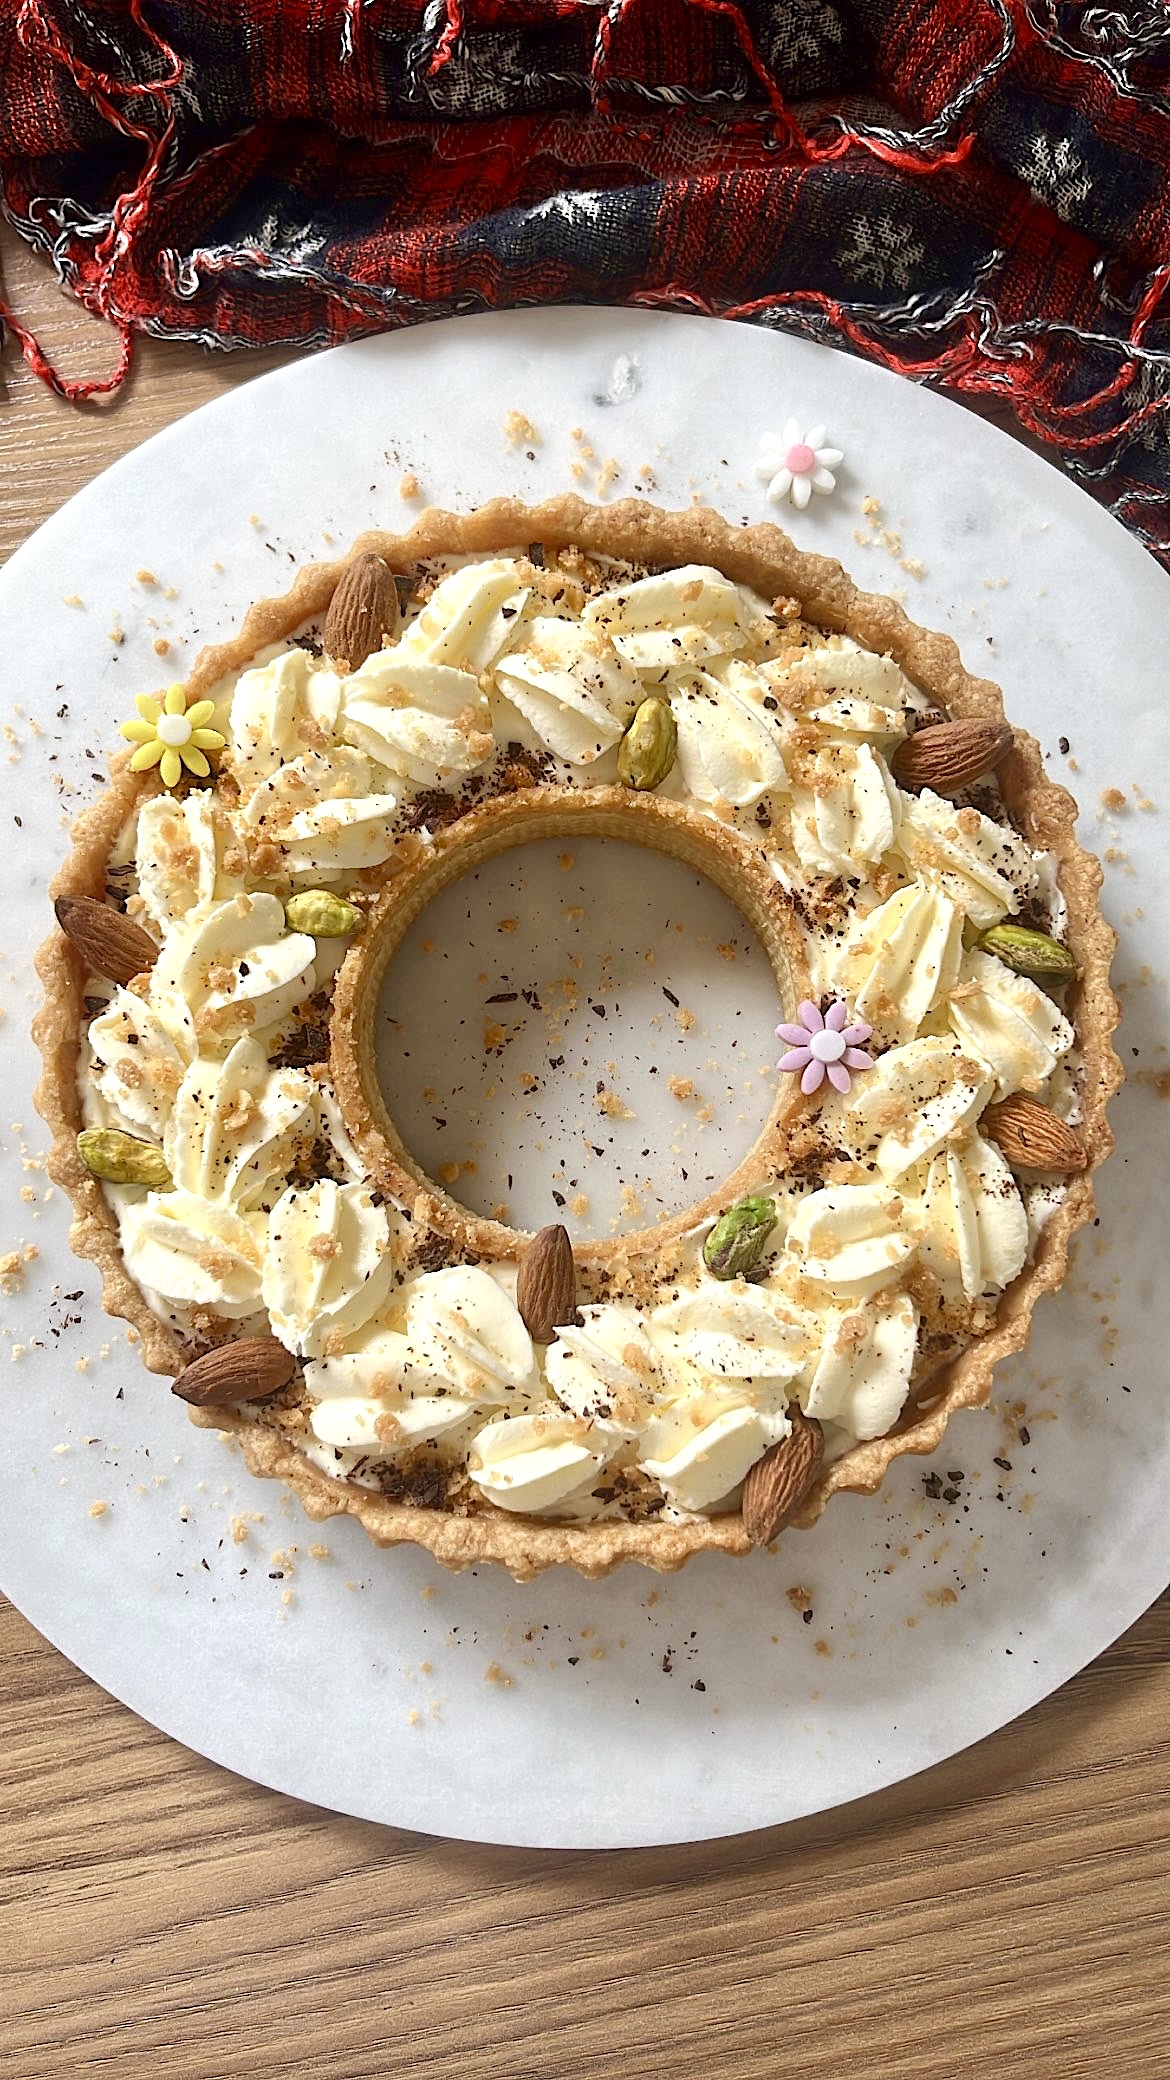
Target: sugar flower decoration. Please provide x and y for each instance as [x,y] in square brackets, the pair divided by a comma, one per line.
[823,1046]
[171,735]
[794,467]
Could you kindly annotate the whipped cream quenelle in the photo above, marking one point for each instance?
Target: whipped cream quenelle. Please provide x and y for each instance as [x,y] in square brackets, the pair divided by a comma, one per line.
[657,1399]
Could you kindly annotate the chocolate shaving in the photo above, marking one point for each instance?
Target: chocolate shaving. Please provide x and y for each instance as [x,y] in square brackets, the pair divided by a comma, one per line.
[321,1160]
[420,1484]
[118,885]
[302,1049]
[433,808]
[306,1043]
[517,760]
[432,1252]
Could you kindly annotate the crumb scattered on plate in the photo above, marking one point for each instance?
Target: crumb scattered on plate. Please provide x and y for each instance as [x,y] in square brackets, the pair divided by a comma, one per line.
[520,432]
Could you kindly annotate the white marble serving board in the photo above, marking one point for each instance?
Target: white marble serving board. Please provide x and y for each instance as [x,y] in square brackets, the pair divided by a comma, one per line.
[640,1709]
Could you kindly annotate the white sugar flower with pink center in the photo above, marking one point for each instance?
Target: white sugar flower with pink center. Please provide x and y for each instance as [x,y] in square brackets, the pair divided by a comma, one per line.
[794,466]
[824,1045]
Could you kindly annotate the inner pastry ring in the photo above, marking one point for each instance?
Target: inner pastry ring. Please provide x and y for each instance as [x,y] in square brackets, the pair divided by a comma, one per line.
[521,818]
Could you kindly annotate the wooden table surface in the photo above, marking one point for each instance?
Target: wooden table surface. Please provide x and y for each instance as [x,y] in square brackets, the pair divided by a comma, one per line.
[1008,1913]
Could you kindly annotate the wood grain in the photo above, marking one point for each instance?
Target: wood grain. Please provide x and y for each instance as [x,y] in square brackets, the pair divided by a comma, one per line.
[1004,1917]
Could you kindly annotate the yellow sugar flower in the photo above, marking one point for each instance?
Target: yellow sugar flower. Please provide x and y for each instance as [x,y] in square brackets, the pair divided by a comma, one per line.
[171,735]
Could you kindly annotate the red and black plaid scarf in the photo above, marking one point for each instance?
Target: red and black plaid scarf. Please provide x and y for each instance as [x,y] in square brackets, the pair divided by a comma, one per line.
[971,191]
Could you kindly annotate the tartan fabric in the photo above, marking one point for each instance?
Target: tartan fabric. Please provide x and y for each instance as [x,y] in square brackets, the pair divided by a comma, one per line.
[971,191]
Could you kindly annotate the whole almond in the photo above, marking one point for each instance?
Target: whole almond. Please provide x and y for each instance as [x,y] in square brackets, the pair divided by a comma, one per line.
[247,1370]
[1032,1137]
[109,943]
[546,1290]
[949,754]
[778,1483]
[364,608]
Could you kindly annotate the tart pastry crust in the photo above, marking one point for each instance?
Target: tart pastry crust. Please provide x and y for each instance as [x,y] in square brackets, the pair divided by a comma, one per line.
[764,558]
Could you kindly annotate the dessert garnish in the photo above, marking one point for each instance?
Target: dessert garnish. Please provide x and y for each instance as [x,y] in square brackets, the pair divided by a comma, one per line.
[794,465]
[825,1044]
[173,735]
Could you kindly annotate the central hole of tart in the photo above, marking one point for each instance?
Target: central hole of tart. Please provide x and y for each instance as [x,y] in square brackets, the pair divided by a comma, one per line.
[579,1030]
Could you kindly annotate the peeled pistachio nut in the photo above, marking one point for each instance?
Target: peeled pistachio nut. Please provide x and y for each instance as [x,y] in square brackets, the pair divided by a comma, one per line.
[323,915]
[123,1159]
[736,1242]
[1029,953]
[647,751]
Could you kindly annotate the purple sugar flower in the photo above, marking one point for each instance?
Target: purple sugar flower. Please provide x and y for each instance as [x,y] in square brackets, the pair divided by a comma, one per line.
[823,1045]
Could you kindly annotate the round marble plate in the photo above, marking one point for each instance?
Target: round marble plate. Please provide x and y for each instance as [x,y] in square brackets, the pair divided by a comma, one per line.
[639,1710]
